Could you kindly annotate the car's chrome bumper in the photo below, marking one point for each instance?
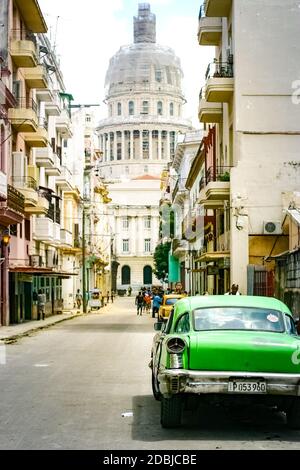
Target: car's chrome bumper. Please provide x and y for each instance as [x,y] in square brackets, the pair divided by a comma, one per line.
[173,381]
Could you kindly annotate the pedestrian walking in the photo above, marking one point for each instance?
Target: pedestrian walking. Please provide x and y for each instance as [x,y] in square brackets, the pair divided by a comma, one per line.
[41,304]
[112,296]
[139,302]
[78,299]
[107,296]
[129,291]
[157,300]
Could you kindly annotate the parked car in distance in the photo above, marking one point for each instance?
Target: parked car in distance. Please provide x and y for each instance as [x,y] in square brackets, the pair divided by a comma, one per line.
[233,350]
[167,304]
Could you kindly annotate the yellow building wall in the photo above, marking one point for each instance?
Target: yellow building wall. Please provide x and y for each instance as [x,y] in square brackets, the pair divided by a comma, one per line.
[264,246]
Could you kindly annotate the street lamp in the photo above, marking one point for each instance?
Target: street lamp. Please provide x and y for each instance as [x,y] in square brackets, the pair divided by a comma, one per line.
[5,238]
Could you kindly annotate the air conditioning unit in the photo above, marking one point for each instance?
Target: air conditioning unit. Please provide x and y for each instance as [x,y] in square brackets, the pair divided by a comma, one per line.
[35,260]
[272,228]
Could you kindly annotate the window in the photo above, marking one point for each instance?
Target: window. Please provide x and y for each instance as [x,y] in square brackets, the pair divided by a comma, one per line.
[145,107]
[147,222]
[13,230]
[158,75]
[155,134]
[88,119]
[290,325]
[126,275]
[183,324]
[146,169]
[131,108]
[125,222]
[125,245]
[171,109]
[159,108]
[119,109]
[110,109]
[147,275]
[147,245]
[119,151]
[27,229]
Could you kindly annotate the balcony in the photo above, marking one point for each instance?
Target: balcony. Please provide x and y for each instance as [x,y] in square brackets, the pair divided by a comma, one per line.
[44,94]
[66,237]
[36,139]
[13,209]
[219,82]
[217,188]
[63,124]
[210,29]
[219,8]
[180,192]
[44,229]
[209,112]
[28,187]
[23,48]
[3,186]
[23,117]
[64,181]
[179,246]
[53,107]
[41,208]
[32,15]
[56,233]
[36,77]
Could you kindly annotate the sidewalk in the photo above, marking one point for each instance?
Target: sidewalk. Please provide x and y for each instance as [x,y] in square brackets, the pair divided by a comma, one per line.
[10,334]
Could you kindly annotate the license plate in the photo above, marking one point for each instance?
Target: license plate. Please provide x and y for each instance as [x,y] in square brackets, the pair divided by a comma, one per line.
[239,386]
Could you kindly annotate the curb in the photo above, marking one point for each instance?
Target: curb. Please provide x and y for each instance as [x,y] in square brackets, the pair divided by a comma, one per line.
[14,338]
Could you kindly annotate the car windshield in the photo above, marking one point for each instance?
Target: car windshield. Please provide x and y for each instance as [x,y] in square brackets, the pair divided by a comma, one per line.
[171,301]
[238,318]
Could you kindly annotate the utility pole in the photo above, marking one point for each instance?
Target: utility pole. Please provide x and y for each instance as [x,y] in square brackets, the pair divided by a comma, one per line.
[83,261]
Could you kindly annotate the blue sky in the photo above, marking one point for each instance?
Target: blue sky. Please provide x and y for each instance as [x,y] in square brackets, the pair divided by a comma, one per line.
[87,38]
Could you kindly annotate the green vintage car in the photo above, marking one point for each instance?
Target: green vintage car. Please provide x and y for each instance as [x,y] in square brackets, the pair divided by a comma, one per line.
[230,350]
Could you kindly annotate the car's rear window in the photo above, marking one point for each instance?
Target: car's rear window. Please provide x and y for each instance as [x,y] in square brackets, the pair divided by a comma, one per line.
[171,301]
[238,318]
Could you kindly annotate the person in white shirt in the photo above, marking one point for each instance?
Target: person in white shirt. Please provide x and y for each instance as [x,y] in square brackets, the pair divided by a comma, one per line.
[234,290]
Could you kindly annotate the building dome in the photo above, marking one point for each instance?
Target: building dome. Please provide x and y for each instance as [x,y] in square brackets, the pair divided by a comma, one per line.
[144,64]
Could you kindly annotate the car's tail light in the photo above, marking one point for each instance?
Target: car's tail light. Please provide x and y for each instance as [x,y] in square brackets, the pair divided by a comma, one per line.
[175,345]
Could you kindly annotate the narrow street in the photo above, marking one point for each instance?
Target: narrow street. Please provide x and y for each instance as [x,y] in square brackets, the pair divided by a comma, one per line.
[85,384]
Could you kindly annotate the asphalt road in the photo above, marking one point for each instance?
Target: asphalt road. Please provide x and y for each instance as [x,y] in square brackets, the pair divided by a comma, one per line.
[85,384]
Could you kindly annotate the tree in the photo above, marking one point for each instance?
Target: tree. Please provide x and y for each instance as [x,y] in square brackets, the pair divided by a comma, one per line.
[161,260]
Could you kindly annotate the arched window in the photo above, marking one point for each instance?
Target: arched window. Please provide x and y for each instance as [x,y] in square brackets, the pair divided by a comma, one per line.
[125,275]
[171,109]
[119,109]
[131,108]
[147,275]
[159,108]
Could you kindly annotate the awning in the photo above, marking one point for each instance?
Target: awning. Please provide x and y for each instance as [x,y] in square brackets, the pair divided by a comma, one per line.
[40,271]
[213,256]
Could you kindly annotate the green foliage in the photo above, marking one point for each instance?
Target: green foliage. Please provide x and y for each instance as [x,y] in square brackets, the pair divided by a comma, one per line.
[161,260]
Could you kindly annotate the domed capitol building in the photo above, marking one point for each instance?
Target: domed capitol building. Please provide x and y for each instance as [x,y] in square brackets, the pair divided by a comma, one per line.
[138,138]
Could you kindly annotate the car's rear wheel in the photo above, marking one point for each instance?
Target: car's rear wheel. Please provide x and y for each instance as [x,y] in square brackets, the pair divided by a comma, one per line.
[155,388]
[293,414]
[171,409]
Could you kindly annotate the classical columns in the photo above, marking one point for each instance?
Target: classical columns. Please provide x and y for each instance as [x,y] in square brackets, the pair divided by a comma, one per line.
[150,145]
[159,145]
[131,145]
[123,146]
[168,146]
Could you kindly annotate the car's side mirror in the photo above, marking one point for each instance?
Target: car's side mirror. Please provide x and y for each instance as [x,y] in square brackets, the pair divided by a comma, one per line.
[158,326]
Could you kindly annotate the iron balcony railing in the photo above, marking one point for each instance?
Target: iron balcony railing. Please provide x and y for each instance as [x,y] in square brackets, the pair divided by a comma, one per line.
[24,182]
[23,34]
[50,212]
[220,69]
[27,103]
[15,200]
[218,173]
